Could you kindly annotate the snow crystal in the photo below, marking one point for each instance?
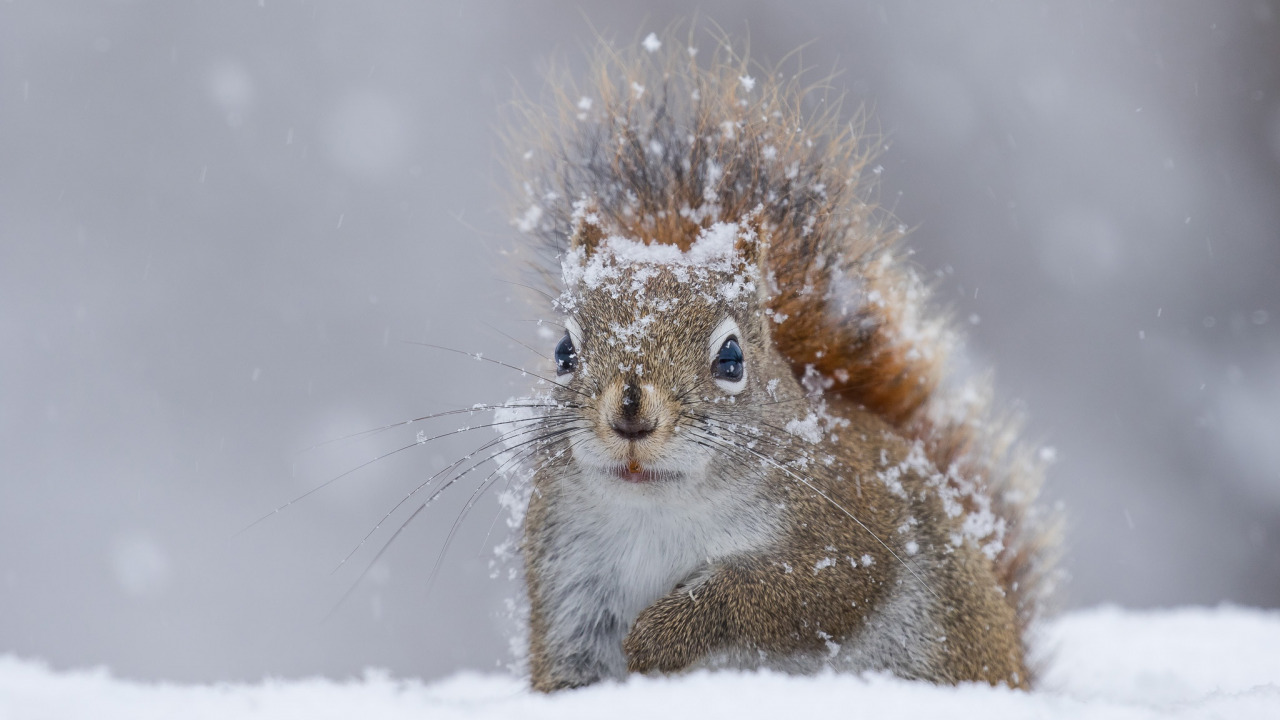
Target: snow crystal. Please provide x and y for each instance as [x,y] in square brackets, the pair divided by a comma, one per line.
[368,134]
[713,172]
[140,565]
[868,561]
[807,428]
[823,564]
[527,222]
[231,88]
[833,647]
[892,478]
[652,43]
[514,499]
[716,242]
[748,82]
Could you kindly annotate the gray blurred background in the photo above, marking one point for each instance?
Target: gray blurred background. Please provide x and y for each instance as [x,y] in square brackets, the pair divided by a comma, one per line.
[219,221]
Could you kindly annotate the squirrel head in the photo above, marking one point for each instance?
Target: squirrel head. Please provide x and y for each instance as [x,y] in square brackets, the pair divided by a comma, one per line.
[658,341]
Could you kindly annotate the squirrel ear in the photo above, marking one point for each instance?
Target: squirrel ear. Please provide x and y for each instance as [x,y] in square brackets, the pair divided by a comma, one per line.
[753,242]
[587,232]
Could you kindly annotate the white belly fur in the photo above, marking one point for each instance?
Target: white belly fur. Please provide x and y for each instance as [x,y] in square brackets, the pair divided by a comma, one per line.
[618,549]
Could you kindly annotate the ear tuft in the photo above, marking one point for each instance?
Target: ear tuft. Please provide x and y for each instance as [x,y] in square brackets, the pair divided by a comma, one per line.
[587,230]
[753,240]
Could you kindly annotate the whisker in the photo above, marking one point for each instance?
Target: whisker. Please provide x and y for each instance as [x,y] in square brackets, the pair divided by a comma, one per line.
[448,468]
[342,600]
[520,343]
[535,445]
[381,551]
[493,523]
[728,427]
[543,293]
[539,321]
[384,456]
[801,398]
[474,408]
[471,501]
[781,438]
[481,357]
[708,434]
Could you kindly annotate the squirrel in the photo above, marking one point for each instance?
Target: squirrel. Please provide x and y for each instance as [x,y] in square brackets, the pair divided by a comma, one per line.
[752,454]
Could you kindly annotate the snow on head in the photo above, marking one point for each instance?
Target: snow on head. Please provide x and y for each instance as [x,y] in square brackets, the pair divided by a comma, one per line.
[712,266]
[714,249]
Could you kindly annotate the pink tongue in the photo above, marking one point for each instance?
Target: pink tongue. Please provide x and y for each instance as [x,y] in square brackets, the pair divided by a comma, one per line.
[633,472]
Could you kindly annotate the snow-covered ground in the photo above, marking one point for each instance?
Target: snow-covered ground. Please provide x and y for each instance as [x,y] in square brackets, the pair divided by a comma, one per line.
[1109,663]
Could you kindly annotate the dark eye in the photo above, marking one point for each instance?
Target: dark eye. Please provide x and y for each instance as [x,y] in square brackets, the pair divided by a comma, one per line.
[566,356]
[728,364]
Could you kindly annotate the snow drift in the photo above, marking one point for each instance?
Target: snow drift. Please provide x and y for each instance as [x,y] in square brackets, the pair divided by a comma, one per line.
[1107,663]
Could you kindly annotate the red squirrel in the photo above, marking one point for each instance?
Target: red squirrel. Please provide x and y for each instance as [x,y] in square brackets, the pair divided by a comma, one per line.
[755,455]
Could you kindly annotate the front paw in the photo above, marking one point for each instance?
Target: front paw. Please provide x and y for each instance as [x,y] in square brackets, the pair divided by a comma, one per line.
[680,628]
[659,639]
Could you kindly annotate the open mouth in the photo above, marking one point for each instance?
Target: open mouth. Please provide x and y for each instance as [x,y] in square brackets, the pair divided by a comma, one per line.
[632,472]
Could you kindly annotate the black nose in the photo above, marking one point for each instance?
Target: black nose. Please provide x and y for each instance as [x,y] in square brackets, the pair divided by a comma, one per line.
[633,428]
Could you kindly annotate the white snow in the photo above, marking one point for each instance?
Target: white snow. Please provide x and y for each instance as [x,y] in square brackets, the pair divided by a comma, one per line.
[1108,663]
[713,251]
[808,428]
[140,564]
[231,88]
[527,222]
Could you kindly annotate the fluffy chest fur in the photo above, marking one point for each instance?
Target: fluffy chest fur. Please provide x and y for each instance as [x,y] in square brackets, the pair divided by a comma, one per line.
[609,550]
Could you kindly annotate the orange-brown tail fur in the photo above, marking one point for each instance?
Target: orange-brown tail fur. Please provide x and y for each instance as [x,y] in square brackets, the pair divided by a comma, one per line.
[664,143]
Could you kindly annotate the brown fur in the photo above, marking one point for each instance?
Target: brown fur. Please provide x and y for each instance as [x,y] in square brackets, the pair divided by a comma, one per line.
[670,145]
[779,604]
